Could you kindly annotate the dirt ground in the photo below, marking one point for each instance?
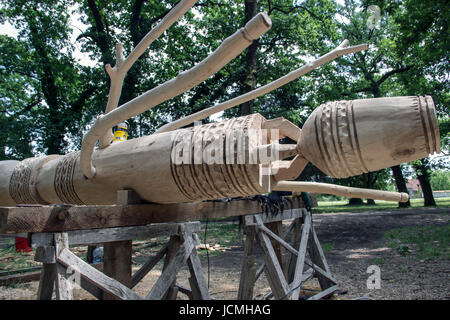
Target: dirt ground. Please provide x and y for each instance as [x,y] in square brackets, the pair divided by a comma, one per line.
[357,242]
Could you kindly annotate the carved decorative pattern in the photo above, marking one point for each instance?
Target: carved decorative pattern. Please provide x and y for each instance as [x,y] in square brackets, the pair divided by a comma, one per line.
[427,117]
[200,181]
[338,140]
[20,187]
[63,182]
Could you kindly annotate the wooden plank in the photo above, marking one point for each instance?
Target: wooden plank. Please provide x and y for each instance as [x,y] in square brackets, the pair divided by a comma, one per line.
[46,219]
[63,283]
[96,277]
[20,271]
[91,288]
[320,270]
[46,254]
[260,271]
[197,279]
[318,258]
[324,293]
[306,276]
[47,281]
[285,235]
[100,236]
[117,263]
[142,272]
[20,278]
[58,219]
[185,291]
[248,269]
[169,274]
[172,249]
[298,274]
[276,229]
[281,216]
[275,275]
[317,268]
[296,226]
[277,239]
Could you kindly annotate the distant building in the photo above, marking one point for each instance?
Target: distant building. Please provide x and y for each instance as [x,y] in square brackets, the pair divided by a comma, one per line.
[441,194]
[413,186]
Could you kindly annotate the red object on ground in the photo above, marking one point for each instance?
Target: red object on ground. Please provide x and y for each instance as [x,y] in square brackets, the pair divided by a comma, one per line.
[22,245]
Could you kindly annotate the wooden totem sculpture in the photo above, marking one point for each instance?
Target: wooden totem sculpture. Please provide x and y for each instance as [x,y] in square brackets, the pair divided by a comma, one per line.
[237,157]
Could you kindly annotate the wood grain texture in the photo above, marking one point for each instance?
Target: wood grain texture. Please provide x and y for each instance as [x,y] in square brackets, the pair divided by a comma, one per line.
[47,218]
[348,138]
[100,236]
[96,277]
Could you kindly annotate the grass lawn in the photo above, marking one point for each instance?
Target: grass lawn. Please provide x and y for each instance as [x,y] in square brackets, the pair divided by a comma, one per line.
[342,206]
[427,242]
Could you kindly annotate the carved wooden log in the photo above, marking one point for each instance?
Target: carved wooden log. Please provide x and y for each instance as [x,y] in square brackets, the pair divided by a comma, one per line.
[348,138]
[228,159]
[162,168]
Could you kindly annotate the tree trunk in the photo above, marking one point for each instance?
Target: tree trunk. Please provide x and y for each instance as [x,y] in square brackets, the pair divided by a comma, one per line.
[401,185]
[249,79]
[424,179]
[369,182]
[355,202]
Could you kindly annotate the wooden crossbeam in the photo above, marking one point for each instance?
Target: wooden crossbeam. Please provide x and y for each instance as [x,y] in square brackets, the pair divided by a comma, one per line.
[148,266]
[324,293]
[100,236]
[64,218]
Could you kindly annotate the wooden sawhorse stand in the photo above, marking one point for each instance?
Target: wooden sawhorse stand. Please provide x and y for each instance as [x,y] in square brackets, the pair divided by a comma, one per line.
[285,276]
[61,268]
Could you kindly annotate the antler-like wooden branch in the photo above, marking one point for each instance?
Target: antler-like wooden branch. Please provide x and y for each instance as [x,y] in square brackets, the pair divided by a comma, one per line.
[118,72]
[299,186]
[229,49]
[339,51]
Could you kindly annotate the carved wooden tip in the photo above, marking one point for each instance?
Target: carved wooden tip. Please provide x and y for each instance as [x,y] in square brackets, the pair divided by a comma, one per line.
[258,25]
[404,197]
[348,138]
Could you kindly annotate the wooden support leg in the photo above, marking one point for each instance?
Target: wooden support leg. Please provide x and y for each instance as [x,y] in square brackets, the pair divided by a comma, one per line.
[172,249]
[298,274]
[318,258]
[275,275]
[297,231]
[65,275]
[248,270]
[277,228]
[197,280]
[169,274]
[47,281]
[117,263]
[46,255]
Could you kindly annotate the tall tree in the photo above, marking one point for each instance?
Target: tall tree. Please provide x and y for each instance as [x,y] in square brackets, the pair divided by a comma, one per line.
[56,81]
